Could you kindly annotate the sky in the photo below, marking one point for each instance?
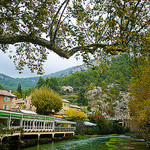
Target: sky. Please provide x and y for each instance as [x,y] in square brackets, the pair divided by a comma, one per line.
[53,64]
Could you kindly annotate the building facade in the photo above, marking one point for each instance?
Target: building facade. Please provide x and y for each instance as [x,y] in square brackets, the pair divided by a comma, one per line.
[6,100]
[23,104]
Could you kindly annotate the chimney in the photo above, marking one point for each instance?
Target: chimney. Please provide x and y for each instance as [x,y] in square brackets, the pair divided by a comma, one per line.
[10,91]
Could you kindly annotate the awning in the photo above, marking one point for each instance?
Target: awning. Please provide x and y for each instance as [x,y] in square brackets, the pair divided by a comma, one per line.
[28,112]
[89,124]
[64,116]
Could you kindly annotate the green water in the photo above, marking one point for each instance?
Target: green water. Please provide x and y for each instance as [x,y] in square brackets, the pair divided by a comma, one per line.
[94,143]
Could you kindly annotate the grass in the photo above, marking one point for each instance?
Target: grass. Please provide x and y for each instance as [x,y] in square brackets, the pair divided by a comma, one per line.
[81,136]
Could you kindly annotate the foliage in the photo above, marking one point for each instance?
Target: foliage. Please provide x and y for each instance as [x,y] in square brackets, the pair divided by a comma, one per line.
[139,102]
[96,27]
[81,99]
[81,136]
[40,83]
[52,83]
[118,72]
[97,118]
[49,82]
[11,83]
[125,143]
[74,114]
[19,89]
[78,117]
[1,87]
[46,101]
[112,127]
[27,92]
[119,64]
[92,131]
[80,127]
[17,94]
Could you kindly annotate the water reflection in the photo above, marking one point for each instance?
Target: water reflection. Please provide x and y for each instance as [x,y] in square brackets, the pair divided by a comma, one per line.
[97,143]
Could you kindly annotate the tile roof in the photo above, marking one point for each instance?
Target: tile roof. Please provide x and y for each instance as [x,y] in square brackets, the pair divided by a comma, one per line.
[6,93]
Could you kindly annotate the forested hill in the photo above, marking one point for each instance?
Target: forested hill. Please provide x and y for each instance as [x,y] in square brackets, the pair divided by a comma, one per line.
[10,83]
[117,72]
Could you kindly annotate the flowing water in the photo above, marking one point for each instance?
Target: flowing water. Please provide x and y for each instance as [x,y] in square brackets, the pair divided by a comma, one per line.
[94,143]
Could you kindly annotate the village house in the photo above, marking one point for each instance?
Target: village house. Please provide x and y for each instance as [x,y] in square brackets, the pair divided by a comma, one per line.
[23,104]
[65,106]
[6,99]
[69,88]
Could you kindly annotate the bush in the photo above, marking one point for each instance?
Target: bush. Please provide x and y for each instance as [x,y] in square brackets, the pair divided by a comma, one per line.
[112,127]
[90,131]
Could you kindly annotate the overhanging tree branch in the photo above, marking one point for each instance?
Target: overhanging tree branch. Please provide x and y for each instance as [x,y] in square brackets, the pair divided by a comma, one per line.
[12,39]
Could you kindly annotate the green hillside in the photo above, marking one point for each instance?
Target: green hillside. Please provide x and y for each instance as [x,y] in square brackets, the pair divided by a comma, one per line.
[117,72]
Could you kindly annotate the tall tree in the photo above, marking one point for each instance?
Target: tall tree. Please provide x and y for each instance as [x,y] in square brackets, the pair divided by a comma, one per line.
[40,82]
[76,82]
[46,101]
[78,117]
[17,94]
[82,100]
[139,102]
[69,27]
[52,83]
[1,87]
[19,89]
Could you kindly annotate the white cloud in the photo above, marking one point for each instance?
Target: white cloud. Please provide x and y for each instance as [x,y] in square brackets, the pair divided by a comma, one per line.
[53,64]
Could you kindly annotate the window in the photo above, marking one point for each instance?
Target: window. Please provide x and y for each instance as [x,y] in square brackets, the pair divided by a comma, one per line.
[15,122]
[65,105]
[6,99]
[5,106]
[68,105]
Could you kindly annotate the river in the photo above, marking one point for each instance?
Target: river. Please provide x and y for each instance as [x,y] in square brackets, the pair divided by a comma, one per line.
[94,143]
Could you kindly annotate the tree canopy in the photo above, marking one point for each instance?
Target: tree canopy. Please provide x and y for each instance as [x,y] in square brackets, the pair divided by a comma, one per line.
[139,102]
[67,27]
[19,89]
[97,118]
[1,87]
[46,101]
[40,83]
[17,94]
[73,114]
[49,82]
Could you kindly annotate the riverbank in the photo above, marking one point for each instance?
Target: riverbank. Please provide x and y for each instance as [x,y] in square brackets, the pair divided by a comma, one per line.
[128,141]
[114,142]
[25,143]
